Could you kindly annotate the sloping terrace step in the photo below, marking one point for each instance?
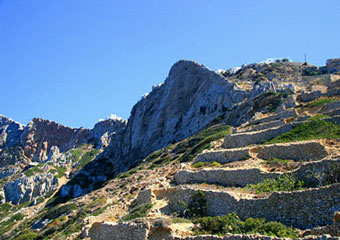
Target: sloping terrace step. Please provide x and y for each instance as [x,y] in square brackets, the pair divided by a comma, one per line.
[303,209]
[251,237]
[279,116]
[262,126]
[242,177]
[223,156]
[248,138]
[304,150]
[298,151]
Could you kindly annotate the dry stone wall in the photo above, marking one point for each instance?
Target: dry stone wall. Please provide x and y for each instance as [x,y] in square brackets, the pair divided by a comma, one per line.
[251,237]
[302,209]
[249,138]
[285,114]
[118,231]
[305,150]
[242,177]
[223,156]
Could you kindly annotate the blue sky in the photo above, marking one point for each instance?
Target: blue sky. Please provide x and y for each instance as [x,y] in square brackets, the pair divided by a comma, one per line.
[75,61]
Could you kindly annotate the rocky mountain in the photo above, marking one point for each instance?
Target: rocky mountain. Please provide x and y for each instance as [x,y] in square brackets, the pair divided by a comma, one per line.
[10,132]
[247,150]
[191,97]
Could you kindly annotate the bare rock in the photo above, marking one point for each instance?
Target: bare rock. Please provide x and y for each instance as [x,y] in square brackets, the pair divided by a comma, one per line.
[10,132]
[28,188]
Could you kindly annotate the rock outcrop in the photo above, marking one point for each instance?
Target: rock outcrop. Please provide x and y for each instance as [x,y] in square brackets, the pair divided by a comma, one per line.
[40,135]
[105,129]
[333,65]
[10,132]
[28,188]
[191,98]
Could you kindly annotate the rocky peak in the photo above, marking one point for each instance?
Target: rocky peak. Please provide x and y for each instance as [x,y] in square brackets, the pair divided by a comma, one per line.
[10,132]
[190,98]
[40,135]
[104,129]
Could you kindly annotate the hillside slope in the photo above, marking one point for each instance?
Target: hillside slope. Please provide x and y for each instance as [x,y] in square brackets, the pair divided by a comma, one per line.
[205,155]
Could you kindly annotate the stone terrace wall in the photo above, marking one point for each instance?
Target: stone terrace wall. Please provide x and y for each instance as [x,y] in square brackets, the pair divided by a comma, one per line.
[250,237]
[242,177]
[118,231]
[249,138]
[305,150]
[302,209]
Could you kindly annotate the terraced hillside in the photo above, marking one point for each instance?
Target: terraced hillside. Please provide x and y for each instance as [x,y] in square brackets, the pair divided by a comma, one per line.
[267,167]
[277,175]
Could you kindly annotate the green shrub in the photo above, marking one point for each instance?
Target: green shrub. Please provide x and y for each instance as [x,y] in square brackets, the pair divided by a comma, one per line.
[138,212]
[282,183]
[200,141]
[206,164]
[55,212]
[27,235]
[88,157]
[320,102]
[61,171]
[75,153]
[218,225]
[277,229]
[314,129]
[333,175]
[317,117]
[31,171]
[284,164]
[197,206]
[231,223]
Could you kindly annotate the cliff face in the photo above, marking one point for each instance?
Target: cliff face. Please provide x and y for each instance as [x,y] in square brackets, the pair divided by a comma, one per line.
[10,132]
[40,135]
[190,98]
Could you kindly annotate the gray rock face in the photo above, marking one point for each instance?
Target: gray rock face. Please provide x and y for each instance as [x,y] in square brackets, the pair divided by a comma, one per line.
[28,188]
[190,98]
[104,130]
[10,132]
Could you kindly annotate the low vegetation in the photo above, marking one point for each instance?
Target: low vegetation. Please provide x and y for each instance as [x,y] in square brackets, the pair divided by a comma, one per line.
[33,170]
[197,206]
[314,129]
[138,212]
[280,164]
[205,164]
[320,102]
[231,223]
[282,183]
[88,157]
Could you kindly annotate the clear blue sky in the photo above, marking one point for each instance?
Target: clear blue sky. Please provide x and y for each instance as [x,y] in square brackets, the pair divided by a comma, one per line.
[75,61]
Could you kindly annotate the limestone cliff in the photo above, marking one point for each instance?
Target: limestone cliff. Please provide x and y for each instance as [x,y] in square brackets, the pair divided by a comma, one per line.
[10,132]
[191,97]
[40,135]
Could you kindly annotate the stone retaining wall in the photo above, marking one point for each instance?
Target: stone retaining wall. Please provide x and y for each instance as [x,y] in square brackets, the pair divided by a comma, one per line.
[303,209]
[330,107]
[251,237]
[242,177]
[282,115]
[303,150]
[263,126]
[257,137]
[118,231]
[223,156]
